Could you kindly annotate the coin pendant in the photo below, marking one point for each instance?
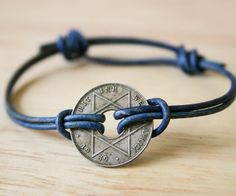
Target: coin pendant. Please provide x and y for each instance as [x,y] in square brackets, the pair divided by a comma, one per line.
[111,152]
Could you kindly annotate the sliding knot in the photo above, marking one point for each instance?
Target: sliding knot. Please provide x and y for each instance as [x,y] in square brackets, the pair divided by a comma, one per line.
[73,45]
[189,61]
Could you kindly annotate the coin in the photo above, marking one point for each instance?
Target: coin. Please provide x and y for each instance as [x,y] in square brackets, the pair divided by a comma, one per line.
[106,151]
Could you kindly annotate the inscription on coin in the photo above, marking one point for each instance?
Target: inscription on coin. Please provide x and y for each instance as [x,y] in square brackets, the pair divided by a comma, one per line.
[111,152]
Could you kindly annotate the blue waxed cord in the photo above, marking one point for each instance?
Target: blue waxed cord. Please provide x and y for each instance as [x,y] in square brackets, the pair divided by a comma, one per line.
[75,45]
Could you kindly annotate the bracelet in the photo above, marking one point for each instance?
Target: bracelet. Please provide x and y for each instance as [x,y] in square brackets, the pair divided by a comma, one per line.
[84,125]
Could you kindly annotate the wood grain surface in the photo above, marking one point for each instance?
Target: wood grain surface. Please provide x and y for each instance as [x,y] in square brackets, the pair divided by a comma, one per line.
[193,157]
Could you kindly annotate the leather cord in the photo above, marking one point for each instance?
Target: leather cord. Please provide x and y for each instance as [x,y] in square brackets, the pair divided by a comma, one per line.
[75,45]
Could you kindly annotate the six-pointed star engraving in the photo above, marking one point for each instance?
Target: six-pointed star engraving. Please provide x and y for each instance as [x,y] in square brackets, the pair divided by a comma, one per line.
[112,145]
[111,151]
[115,105]
[108,102]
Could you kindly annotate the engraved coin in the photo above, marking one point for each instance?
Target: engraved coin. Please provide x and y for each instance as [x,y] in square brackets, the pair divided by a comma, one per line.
[106,151]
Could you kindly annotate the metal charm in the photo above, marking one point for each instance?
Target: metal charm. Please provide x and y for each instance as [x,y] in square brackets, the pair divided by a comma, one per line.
[111,152]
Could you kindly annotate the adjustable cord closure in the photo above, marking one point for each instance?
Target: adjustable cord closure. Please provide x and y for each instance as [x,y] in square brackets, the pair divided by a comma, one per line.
[75,45]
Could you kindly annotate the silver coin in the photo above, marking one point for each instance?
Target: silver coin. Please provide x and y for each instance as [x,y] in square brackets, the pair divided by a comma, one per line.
[106,151]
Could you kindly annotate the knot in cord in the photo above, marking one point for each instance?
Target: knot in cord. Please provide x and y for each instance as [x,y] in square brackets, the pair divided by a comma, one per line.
[73,45]
[66,120]
[189,61]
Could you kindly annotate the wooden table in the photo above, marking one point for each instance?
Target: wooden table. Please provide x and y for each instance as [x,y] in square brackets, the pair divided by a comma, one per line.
[193,157]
